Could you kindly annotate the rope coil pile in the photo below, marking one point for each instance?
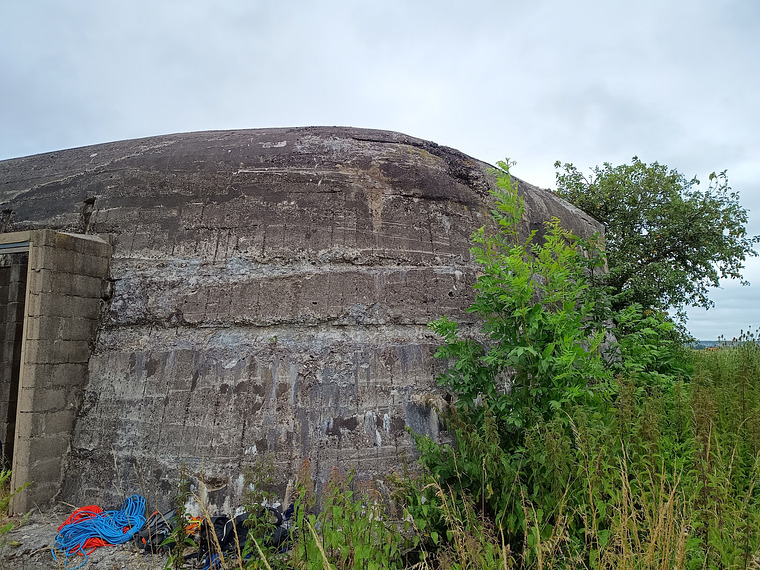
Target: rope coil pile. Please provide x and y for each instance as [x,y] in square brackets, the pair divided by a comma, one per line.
[90,527]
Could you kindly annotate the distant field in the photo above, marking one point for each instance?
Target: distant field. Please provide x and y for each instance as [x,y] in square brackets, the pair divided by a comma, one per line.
[701,344]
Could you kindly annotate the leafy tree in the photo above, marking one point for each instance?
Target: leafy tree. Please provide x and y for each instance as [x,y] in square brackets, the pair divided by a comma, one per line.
[539,363]
[546,420]
[668,240]
[537,355]
[540,347]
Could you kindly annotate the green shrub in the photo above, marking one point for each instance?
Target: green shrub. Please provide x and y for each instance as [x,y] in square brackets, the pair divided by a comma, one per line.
[586,437]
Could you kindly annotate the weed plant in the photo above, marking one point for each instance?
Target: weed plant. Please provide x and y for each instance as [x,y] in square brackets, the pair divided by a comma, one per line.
[7,492]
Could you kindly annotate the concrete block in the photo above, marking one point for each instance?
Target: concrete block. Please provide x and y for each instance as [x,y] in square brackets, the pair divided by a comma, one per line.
[21,454]
[45,447]
[89,245]
[68,241]
[13,311]
[36,351]
[77,351]
[62,375]
[42,238]
[80,329]
[20,503]
[37,494]
[36,257]
[47,469]
[44,328]
[33,304]
[44,400]
[53,423]
[76,284]
[67,261]
[26,400]
[35,375]
[6,373]
[33,328]
[69,375]
[56,351]
[96,266]
[65,283]
[35,281]
[54,305]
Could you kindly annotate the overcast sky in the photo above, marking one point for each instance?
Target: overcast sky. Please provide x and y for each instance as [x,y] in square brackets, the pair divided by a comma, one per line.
[673,81]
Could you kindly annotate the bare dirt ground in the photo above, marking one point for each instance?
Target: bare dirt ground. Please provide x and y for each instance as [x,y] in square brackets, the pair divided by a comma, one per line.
[28,548]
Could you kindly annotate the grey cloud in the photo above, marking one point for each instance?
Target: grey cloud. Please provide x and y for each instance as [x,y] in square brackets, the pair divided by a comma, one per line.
[583,82]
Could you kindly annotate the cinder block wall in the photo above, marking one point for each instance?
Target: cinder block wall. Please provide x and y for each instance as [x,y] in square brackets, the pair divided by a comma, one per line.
[13,272]
[65,286]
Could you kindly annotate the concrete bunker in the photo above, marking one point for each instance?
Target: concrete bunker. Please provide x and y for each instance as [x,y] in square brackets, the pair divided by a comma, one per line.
[267,295]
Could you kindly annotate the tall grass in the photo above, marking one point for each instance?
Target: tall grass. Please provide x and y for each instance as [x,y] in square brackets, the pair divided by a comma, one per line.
[664,478]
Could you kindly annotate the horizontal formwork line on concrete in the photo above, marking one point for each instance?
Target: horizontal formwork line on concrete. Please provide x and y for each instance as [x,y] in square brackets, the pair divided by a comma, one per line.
[244,267]
[181,335]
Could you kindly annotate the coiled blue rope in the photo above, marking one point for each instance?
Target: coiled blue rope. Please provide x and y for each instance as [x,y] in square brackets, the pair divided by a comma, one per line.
[114,527]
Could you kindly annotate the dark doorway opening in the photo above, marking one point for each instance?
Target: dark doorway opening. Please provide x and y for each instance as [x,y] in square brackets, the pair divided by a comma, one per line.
[14,265]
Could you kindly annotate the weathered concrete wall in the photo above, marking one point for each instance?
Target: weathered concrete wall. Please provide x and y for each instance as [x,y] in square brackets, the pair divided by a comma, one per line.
[271,290]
